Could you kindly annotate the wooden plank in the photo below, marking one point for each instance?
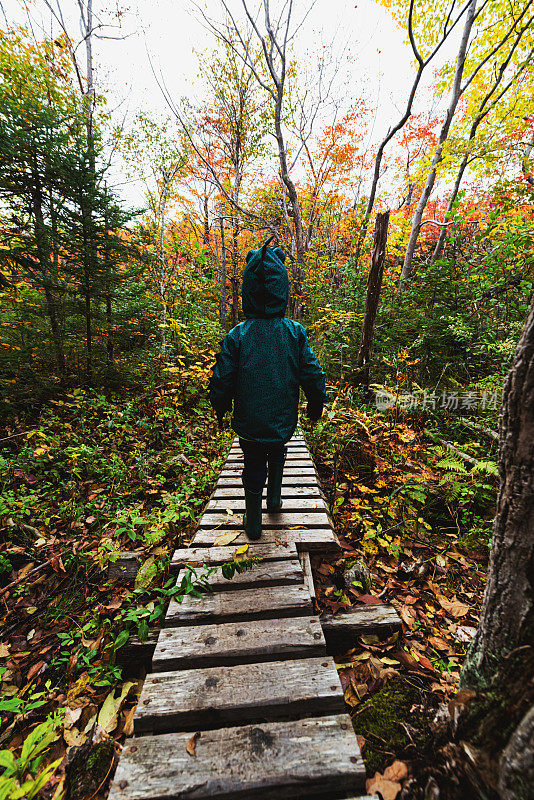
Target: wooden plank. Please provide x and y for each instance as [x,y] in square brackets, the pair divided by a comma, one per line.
[290,464]
[293,455]
[299,758]
[201,699]
[308,504]
[313,540]
[302,519]
[128,563]
[273,573]
[290,447]
[296,468]
[288,492]
[234,479]
[267,551]
[341,629]
[304,559]
[264,602]
[237,643]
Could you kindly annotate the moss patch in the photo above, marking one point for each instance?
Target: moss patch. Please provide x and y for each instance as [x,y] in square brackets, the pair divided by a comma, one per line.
[379,721]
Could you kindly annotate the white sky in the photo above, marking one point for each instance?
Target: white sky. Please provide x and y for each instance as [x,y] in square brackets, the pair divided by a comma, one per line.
[377,60]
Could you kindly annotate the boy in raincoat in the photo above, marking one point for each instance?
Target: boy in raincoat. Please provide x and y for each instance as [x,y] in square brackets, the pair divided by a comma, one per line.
[262,364]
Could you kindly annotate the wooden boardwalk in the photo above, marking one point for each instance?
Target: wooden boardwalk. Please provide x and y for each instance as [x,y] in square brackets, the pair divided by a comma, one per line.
[243,700]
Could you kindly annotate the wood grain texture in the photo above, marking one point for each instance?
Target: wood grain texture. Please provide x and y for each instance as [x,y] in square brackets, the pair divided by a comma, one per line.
[313,540]
[290,464]
[127,564]
[308,504]
[304,559]
[238,643]
[234,479]
[293,455]
[341,629]
[295,468]
[200,699]
[218,555]
[271,573]
[293,759]
[260,603]
[301,519]
[288,492]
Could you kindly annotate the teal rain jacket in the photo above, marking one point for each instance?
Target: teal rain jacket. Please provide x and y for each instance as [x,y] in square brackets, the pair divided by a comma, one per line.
[265,360]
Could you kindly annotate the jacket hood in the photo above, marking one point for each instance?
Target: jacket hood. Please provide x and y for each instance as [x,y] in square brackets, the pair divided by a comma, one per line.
[265,287]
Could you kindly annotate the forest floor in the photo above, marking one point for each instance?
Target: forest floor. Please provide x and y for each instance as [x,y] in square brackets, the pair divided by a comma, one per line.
[91,476]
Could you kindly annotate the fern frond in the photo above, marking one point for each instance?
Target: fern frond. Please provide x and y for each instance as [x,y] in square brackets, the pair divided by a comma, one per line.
[488,467]
[452,464]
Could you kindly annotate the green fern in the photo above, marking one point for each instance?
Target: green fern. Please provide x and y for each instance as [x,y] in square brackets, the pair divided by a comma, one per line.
[452,464]
[488,467]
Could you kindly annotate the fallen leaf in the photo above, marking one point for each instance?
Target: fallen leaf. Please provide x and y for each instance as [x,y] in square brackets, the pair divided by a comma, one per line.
[438,642]
[191,745]
[454,607]
[241,550]
[397,771]
[107,717]
[225,538]
[388,789]
[4,650]
[128,728]
[35,670]
[73,737]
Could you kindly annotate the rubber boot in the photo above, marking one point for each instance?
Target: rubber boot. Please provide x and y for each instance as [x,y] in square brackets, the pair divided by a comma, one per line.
[274,486]
[252,516]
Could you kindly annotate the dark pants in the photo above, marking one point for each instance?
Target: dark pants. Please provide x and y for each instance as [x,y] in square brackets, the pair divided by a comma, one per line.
[257,456]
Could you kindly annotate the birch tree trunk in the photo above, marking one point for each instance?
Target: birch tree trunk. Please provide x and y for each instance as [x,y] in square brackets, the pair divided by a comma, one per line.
[431,177]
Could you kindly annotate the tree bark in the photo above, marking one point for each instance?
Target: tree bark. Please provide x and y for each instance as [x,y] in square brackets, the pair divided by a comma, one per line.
[444,133]
[222,303]
[507,617]
[374,287]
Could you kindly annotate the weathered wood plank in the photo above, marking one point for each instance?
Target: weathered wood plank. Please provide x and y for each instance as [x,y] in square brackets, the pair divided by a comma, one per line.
[263,602]
[288,492]
[295,468]
[299,758]
[341,629]
[234,479]
[313,540]
[201,699]
[308,504]
[309,519]
[289,464]
[304,559]
[272,573]
[293,455]
[128,563]
[237,643]
[267,551]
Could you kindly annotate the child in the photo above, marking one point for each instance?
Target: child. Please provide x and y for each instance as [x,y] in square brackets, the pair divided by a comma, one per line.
[262,365]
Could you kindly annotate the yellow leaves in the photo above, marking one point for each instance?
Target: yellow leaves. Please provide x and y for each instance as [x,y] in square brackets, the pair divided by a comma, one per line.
[108,714]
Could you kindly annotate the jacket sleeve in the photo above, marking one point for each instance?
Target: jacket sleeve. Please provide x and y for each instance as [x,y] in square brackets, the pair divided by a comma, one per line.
[223,378]
[311,376]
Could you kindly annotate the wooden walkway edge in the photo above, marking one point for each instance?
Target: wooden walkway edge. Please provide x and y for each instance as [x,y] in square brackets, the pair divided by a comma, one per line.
[242,700]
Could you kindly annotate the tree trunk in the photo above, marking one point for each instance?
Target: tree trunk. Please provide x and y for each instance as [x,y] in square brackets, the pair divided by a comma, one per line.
[222,303]
[162,293]
[431,177]
[507,617]
[374,287]
[43,254]
[235,274]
